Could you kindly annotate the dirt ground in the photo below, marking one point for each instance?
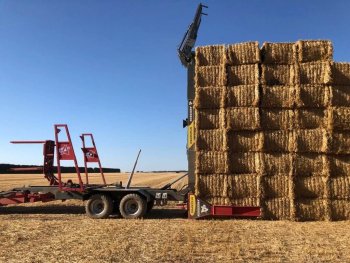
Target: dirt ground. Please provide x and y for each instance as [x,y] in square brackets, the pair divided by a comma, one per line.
[60,232]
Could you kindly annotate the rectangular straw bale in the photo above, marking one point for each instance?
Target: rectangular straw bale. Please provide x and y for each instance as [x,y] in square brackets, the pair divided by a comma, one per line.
[341,73]
[247,201]
[313,96]
[276,163]
[315,73]
[339,142]
[243,53]
[308,164]
[339,95]
[314,140]
[243,118]
[243,75]
[279,141]
[277,96]
[209,119]
[216,200]
[277,119]
[277,53]
[277,208]
[276,185]
[210,76]
[245,141]
[211,140]
[340,209]
[340,187]
[211,162]
[210,55]
[275,74]
[340,118]
[242,186]
[339,165]
[310,187]
[311,209]
[311,118]
[314,50]
[209,98]
[244,163]
[242,96]
[211,185]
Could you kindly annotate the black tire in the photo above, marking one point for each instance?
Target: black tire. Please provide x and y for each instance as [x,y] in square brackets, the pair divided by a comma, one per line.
[99,206]
[132,206]
[150,205]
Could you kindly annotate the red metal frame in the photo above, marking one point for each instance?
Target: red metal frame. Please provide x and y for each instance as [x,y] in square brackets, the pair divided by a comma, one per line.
[65,152]
[91,156]
[20,197]
[198,208]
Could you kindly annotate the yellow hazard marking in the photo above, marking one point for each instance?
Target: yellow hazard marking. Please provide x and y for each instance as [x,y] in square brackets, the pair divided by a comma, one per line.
[192,205]
[190,135]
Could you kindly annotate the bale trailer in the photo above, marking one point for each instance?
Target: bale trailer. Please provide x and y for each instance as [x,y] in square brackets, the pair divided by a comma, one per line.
[102,200]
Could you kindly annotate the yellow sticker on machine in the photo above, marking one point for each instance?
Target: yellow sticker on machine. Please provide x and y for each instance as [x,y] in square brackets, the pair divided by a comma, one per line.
[190,135]
[192,205]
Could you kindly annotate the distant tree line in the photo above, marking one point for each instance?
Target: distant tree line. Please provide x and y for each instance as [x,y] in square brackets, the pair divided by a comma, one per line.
[6,169]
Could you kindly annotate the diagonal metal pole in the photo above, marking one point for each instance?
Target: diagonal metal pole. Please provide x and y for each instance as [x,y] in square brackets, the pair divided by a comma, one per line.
[133,171]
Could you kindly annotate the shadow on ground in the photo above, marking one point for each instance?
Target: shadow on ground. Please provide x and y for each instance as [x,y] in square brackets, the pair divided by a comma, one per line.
[165,213]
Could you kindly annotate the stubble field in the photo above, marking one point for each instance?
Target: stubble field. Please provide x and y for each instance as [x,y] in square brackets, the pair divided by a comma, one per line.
[60,232]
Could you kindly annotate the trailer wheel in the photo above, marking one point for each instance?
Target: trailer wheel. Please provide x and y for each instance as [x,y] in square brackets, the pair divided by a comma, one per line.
[99,206]
[132,206]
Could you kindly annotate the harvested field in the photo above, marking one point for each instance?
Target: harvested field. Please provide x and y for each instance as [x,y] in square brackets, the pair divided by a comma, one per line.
[166,235]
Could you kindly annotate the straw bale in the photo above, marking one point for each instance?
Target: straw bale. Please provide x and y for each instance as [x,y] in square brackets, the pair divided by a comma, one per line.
[274,74]
[209,98]
[310,187]
[211,162]
[314,50]
[315,140]
[277,185]
[339,95]
[311,209]
[209,119]
[315,73]
[279,141]
[276,163]
[340,118]
[277,53]
[277,208]
[311,118]
[340,209]
[208,185]
[210,55]
[245,201]
[242,96]
[245,141]
[216,200]
[340,187]
[277,119]
[242,186]
[243,53]
[313,96]
[341,73]
[277,96]
[243,118]
[211,140]
[339,143]
[308,164]
[244,163]
[339,165]
[243,75]
[210,76]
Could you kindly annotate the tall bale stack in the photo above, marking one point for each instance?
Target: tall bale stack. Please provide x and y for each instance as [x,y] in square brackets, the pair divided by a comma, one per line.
[273,129]
[278,92]
[339,143]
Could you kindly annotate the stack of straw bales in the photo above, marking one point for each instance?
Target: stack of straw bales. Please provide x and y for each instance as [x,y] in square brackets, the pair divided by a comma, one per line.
[273,129]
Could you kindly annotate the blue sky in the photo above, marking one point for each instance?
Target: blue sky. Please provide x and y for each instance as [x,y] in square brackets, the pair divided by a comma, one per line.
[111,68]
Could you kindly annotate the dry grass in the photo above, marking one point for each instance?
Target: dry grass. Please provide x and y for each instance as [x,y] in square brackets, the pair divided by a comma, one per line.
[60,232]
